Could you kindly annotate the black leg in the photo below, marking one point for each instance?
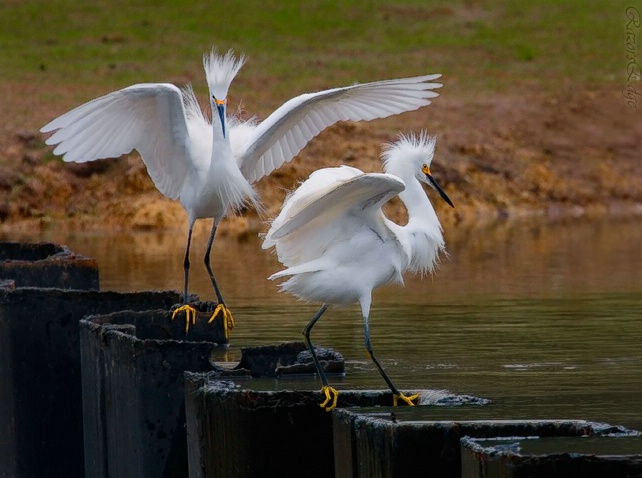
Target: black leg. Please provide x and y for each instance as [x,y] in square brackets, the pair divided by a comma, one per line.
[190,312]
[228,319]
[208,266]
[308,343]
[186,262]
[331,394]
[396,395]
[391,385]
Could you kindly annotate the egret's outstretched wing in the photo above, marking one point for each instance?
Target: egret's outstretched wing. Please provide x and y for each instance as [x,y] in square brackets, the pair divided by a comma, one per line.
[313,217]
[320,183]
[354,195]
[148,117]
[286,131]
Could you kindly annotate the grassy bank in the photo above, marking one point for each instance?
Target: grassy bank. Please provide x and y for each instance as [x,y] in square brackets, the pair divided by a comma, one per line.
[481,46]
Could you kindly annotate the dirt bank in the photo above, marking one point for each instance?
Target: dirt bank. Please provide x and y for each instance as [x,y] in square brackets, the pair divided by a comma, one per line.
[574,152]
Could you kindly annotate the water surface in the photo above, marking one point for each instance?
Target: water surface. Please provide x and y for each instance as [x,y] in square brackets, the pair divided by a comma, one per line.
[544,319]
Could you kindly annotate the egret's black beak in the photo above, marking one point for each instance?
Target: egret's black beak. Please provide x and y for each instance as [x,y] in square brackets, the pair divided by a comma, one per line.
[441,192]
[220,107]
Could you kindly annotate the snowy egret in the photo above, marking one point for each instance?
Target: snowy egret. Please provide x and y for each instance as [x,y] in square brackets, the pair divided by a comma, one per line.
[209,166]
[337,245]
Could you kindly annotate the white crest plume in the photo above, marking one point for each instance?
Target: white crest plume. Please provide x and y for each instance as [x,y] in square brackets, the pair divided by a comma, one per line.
[220,70]
[411,147]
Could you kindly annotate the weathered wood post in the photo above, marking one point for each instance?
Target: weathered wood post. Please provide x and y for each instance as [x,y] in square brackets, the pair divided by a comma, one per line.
[133,390]
[46,264]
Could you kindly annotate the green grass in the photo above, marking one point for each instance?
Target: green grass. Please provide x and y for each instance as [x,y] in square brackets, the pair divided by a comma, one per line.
[483,46]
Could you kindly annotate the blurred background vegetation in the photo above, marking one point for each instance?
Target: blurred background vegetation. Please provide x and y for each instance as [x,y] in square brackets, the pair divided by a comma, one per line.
[480,46]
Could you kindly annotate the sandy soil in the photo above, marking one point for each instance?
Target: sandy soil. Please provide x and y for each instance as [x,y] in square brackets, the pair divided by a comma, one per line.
[574,152]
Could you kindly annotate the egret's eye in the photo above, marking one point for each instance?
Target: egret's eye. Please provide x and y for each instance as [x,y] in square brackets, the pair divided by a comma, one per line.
[425,169]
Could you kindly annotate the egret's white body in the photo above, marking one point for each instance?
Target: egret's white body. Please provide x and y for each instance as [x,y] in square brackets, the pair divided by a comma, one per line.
[336,243]
[209,166]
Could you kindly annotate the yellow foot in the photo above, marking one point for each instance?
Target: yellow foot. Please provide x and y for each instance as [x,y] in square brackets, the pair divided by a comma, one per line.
[331,395]
[408,400]
[190,315]
[228,320]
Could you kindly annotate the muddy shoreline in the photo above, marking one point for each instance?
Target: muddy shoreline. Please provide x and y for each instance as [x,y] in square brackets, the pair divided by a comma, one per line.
[568,154]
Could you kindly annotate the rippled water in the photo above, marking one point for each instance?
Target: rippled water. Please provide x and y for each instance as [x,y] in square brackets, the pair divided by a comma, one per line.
[543,319]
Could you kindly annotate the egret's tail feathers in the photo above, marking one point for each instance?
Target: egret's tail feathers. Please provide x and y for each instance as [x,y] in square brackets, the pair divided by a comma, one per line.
[312,266]
[242,198]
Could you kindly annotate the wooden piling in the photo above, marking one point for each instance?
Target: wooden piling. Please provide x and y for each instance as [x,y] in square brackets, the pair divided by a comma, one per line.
[612,455]
[239,427]
[133,390]
[40,372]
[46,264]
[400,445]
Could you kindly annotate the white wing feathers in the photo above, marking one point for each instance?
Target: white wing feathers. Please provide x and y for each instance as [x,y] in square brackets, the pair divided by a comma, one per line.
[148,117]
[331,204]
[355,194]
[288,129]
[320,183]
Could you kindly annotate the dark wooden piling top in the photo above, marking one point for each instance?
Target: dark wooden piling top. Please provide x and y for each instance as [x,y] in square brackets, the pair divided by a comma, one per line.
[47,264]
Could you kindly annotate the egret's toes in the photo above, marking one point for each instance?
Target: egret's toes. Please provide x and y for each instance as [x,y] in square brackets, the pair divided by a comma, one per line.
[407,400]
[331,397]
[228,319]
[190,315]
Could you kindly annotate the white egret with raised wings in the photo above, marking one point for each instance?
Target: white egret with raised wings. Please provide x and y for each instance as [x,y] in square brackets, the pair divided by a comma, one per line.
[210,166]
[337,245]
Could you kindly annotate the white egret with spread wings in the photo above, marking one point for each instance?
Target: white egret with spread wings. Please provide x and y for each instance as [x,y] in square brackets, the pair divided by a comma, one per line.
[210,165]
